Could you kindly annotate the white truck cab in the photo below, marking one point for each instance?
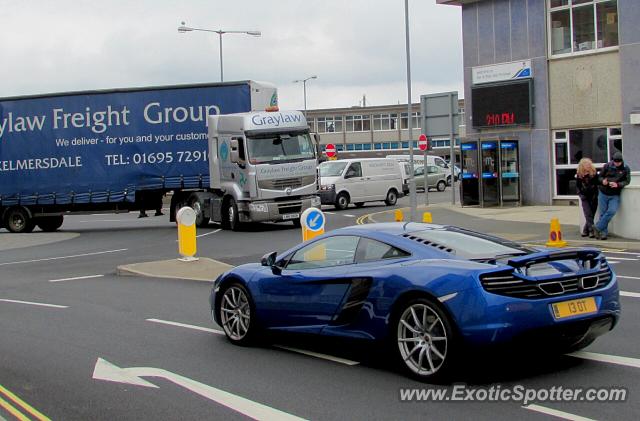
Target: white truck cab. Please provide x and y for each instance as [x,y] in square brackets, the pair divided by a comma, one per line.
[262,168]
[360,180]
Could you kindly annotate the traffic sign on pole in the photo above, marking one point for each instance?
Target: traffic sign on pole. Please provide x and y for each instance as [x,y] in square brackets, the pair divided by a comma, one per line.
[312,221]
[423,143]
[330,150]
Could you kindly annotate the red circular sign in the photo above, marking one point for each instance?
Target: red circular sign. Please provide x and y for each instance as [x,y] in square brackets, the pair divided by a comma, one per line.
[330,150]
[423,143]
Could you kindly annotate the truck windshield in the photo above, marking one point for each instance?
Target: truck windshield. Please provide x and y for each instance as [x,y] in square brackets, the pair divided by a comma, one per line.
[281,147]
[332,169]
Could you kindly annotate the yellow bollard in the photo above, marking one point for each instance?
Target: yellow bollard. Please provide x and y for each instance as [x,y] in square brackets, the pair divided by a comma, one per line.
[427,218]
[186,218]
[555,234]
[399,217]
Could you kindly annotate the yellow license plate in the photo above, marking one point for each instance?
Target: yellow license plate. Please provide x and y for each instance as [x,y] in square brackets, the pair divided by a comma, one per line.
[574,307]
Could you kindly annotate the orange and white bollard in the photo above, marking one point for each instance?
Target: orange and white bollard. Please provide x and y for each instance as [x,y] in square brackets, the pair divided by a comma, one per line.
[186,219]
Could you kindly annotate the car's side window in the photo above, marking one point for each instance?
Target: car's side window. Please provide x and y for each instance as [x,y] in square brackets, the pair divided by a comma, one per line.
[419,171]
[355,170]
[371,250]
[328,252]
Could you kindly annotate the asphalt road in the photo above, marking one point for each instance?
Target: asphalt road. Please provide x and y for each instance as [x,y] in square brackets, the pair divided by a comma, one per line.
[64,312]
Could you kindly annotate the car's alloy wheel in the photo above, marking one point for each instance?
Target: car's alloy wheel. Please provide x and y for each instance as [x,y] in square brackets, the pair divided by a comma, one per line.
[423,339]
[235,313]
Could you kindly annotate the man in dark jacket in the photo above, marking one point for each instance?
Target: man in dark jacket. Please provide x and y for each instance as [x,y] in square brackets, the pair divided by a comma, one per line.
[613,177]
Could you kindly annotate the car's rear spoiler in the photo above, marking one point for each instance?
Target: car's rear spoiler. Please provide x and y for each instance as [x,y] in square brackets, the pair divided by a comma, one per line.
[547,256]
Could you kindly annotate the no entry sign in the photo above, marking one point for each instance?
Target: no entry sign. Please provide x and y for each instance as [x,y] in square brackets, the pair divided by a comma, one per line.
[330,150]
[423,143]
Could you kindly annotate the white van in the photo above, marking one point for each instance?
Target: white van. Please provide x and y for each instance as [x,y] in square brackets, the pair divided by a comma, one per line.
[418,159]
[360,180]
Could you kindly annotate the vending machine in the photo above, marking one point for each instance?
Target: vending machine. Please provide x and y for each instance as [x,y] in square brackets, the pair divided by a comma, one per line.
[470,182]
[489,184]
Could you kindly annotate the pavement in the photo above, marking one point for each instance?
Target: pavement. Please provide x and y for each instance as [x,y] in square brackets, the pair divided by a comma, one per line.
[203,269]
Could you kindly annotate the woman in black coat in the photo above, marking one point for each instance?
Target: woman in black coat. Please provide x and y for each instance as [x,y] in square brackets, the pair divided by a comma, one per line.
[587,185]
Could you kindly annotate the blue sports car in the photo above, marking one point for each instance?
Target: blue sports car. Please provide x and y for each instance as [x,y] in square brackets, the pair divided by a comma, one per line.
[428,290]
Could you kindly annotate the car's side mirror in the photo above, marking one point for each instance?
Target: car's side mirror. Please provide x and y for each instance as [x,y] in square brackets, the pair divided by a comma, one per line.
[269,259]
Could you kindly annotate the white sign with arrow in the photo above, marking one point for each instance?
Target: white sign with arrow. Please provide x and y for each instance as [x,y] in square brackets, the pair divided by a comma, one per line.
[104,370]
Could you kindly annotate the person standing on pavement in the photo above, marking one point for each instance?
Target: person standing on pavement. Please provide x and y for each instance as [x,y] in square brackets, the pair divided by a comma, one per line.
[587,186]
[613,177]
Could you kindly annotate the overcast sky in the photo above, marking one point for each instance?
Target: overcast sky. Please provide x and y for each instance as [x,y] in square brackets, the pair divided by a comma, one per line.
[355,47]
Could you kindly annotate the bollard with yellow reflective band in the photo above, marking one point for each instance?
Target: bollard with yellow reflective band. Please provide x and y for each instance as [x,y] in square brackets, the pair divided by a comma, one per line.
[186,218]
[427,218]
[398,216]
[555,234]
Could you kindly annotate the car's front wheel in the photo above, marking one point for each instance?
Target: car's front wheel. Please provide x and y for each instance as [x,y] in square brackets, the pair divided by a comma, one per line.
[237,315]
[424,340]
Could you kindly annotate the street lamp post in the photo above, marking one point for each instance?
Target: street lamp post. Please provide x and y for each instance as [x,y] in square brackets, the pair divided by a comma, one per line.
[182,29]
[304,89]
[413,199]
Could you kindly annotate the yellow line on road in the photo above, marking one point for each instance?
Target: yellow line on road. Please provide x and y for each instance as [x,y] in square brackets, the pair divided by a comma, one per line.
[31,410]
[10,409]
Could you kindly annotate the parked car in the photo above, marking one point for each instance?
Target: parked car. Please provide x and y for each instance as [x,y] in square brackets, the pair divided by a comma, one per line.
[430,292]
[360,180]
[436,176]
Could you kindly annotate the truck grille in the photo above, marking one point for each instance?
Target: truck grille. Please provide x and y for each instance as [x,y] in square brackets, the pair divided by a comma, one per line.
[283,183]
[510,285]
[286,208]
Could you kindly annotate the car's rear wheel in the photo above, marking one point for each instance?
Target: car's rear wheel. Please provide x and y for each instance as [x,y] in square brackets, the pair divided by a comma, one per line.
[237,315]
[342,201]
[441,185]
[424,340]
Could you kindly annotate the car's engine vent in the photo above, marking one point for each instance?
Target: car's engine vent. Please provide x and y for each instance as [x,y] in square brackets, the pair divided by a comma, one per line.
[429,243]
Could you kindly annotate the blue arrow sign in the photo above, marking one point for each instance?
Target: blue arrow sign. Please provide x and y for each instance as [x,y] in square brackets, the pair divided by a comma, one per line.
[315,220]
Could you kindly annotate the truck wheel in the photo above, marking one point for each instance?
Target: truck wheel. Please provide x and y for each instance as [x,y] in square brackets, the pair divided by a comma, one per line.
[50,223]
[202,221]
[230,217]
[441,185]
[19,221]
[342,201]
[392,198]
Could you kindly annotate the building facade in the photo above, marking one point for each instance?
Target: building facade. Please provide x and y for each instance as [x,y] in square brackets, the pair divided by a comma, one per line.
[583,61]
[373,131]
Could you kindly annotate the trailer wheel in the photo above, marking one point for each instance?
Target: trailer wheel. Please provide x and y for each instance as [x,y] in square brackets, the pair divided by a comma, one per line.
[230,217]
[198,207]
[50,223]
[19,221]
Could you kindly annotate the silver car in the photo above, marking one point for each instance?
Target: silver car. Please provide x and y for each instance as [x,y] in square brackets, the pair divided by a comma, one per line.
[436,175]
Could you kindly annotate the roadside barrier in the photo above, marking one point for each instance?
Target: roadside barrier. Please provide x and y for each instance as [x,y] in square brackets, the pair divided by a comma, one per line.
[399,217]
[427,218]
[555,234]
[186,219]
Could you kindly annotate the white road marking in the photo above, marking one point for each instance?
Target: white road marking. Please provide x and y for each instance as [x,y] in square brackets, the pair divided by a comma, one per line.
[209,233]
[193,327]
[627,277]
[318,355]
[556,413]
[630,294]
[605,358]
[330,213]
[619,252]
[32,303]
[611,262]
[348,215]
[63,257]
[76,278]
[219,332]
[623,258]
[106,371]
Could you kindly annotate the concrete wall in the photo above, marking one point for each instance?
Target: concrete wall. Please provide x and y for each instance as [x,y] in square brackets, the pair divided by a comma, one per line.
[499,31]
[585,91]
[629,21]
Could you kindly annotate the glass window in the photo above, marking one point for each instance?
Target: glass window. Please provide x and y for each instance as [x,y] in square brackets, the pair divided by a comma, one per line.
[350,146]
[371,250]
[394,145]
[332,168]
[404,122]
[366,146]
[339,147]
[582,25]
[270,148]
[405,145]
[333,251]
[590,143]
[562,157]
[377,146]
[355,170]
[358,146]
[566,182]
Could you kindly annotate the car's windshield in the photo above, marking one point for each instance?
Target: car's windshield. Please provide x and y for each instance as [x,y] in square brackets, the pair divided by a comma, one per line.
[332,169]
[471,245]
[282,147]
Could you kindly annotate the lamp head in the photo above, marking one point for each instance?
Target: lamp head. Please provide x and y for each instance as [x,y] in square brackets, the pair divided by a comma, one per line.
[254,33]
[182,28]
